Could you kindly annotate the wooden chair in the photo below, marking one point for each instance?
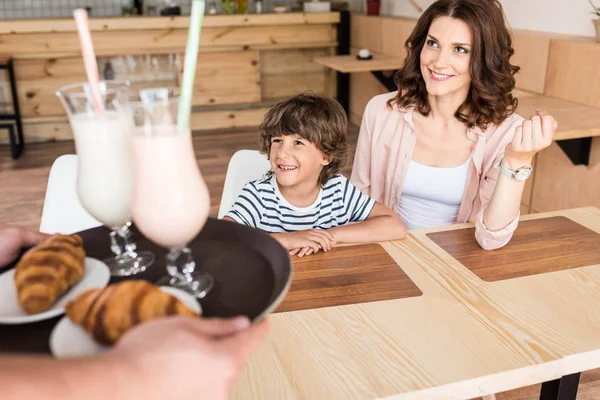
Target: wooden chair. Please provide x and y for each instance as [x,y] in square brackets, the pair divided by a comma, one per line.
[12,121]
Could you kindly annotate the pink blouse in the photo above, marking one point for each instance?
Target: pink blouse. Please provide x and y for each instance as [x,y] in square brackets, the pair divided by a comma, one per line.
[385,146]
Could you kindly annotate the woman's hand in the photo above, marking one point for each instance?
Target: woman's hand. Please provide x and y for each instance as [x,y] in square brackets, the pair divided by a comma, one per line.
[535,134]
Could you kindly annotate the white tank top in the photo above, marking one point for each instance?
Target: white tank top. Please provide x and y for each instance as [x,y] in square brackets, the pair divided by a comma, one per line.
[431,196]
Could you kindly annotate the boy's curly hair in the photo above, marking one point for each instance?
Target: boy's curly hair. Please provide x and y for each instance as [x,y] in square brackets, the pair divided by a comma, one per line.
[320,120]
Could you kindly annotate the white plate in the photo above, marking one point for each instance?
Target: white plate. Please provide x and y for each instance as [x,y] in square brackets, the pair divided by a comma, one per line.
[96,275]
[69,340]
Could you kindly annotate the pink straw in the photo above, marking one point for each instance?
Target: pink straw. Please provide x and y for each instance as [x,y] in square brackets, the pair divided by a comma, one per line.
[89,57]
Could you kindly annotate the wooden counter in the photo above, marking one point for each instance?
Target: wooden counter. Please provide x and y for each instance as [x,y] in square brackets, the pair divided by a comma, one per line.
[246,62]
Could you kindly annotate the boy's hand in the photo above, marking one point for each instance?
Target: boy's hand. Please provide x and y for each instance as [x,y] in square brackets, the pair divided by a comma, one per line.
[305,251]
[300,242]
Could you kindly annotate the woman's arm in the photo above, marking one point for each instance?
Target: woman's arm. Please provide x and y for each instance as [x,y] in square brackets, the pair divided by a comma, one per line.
[382,224]
[531,137]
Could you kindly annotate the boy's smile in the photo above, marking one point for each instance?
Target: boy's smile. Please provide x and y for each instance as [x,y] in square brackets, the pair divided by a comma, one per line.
[297,164]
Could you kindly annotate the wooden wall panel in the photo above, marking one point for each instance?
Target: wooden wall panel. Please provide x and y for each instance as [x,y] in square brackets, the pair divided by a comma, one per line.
[531,54]
[364,87]
[221,78]
[275,87]
[595,155]
[220,119]
[122,42]
[365,32]
[560,185]
[280,62]
[285,73]
[395,31]
[38,80]
[175,22]
[573,71]
[227,78]
[38,130]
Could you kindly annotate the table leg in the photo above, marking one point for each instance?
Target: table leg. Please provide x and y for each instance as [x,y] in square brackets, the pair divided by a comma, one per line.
[343,91]
[564,388]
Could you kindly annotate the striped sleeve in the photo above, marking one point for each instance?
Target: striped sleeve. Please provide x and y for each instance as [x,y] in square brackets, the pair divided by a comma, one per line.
[358,205]
[248,209]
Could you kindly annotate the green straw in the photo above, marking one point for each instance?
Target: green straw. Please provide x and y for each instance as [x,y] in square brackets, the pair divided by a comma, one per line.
[189,66]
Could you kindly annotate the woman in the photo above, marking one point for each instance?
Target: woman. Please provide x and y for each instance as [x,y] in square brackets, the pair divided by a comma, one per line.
[447,146]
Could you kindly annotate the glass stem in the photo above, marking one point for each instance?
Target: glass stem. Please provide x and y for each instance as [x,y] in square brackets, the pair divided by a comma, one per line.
[180,264]
[121,244]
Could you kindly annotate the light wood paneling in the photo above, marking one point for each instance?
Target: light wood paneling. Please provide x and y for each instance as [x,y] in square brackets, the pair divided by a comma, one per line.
[365,32]
[395,31]
[285,73]
[38,81]
[559,184]
[595,152]
[275,87]
[179,22]
[364,87]
[122,42]
[531,54]
[51,129]
[228,119]
[573,71]
[221,78]
[293,61]
[227,78]
[518,93]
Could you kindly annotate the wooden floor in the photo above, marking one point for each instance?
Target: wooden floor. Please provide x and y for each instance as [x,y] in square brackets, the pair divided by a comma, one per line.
[23,186]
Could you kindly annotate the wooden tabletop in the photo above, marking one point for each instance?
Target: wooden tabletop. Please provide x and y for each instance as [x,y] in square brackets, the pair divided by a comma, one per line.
[574,120]
[463,338]
[350,63]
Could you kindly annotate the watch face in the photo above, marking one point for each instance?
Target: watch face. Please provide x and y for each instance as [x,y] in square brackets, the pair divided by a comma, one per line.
[522,174]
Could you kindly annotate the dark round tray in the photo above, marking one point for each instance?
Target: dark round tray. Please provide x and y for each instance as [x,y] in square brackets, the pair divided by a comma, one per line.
[252,274]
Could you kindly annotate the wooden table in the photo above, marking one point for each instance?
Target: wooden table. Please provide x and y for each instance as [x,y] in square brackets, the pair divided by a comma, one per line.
[574,120]
[349,63]
[345,64]
[464,337]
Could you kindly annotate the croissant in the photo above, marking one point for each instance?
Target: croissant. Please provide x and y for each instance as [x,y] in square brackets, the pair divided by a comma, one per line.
[48,270]
[110,312]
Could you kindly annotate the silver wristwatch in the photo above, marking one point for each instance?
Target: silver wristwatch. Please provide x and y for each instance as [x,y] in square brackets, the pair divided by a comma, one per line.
[520,175]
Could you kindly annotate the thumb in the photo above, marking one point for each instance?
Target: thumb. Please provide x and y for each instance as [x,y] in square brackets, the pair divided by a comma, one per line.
[241,345]
[31,238]
[218,326]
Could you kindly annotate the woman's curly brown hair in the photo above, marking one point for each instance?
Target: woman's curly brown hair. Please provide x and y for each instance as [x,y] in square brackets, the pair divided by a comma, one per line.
[320,120]
[490,97]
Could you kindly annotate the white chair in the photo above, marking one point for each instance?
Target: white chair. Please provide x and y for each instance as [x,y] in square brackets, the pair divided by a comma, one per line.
[63,213]
[244,166]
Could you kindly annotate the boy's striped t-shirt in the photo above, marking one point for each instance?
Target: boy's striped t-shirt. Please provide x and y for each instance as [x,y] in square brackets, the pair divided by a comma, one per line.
[262,206]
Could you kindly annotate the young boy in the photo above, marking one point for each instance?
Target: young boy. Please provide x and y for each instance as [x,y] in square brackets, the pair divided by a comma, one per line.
[304,202]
